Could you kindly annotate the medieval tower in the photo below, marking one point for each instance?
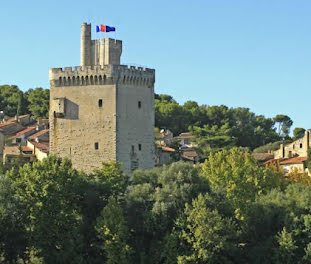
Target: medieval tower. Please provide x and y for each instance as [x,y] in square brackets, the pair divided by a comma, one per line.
[102,111]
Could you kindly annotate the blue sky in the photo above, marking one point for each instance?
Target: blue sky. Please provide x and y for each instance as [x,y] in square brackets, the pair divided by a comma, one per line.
[247,53]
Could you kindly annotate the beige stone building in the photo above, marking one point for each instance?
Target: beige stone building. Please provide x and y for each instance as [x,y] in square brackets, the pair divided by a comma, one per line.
[297,148]
[102,111]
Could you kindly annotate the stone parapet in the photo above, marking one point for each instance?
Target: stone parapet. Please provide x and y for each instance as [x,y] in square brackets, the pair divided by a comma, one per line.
[99,75]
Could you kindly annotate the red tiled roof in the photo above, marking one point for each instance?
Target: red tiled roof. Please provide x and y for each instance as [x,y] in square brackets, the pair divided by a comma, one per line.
[39,133]
[293,160]
[43,146]
[263,156]
[168,149]
[25,148]
[6,124]
[185,135]
[23,132]
[271,161]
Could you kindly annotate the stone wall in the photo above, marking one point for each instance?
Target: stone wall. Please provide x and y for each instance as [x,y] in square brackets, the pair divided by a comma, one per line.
[297,148]
[87,132]
[135,126]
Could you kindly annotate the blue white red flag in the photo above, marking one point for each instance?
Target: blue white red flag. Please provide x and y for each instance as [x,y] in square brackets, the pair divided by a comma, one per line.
[103,28]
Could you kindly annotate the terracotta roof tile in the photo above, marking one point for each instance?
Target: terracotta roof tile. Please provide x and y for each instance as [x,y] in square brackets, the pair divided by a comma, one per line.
[6,124]
[23,132]
[294,160]
[39,133]
[168,149]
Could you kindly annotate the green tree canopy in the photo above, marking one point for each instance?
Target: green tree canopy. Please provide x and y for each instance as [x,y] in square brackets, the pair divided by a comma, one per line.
[38,102]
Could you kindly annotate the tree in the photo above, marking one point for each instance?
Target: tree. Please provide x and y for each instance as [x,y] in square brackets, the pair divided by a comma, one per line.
[112,230]
[240,175]
[12,100]
[38,102]
[154,200]
[284,124]
[50,191]
[298,133]
[210,237]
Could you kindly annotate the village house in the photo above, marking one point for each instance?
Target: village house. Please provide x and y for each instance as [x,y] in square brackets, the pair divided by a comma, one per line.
[164,138]
[21,136]
[298,148]
[186,140]
[164,156]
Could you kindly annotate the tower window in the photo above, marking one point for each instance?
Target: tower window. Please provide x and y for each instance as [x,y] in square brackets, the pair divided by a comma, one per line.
[96,145]
[100,103]
[139,147]
[300,145]
[139,104]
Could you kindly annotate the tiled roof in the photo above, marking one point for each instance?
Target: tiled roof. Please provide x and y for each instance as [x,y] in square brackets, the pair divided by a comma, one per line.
[271,161]
[39,133]
[6,124]
[168,149]
[13,118]
[185,135]
[43,146]
[294,160]
[263,156]
[24,131]
[25,148]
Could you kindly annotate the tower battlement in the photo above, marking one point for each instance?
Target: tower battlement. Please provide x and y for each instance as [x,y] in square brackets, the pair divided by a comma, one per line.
[100,75]
[102,110]
[98,52]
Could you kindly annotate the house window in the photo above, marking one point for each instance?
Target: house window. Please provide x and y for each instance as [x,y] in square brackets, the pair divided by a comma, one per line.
[133,149]
[139,147]
[100,103]
[96,145]
[18,140]
[139,104]
[300,145]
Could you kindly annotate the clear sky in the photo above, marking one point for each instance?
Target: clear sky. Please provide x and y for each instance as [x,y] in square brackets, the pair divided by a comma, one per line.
[249,53]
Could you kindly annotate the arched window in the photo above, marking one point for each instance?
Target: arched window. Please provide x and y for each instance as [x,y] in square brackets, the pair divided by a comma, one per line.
[82,80]
[91,80]
[60,81]
[95,79]
[86,80]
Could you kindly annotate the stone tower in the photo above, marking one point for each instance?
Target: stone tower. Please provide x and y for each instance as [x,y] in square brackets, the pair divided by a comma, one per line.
[102,111]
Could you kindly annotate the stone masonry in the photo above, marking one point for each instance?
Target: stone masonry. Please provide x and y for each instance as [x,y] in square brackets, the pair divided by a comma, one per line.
[297,148]
[102,111]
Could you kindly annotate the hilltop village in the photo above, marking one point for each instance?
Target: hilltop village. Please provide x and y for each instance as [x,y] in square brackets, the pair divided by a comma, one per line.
[103,111]
[100,169]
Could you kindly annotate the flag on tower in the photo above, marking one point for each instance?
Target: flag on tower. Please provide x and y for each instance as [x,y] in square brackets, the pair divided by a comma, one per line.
[103,28]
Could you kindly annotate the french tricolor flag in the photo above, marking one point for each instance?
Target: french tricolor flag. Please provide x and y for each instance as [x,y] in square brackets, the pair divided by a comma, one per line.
[103,28]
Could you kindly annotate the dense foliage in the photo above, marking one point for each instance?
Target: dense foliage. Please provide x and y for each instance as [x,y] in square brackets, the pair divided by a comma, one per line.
[218,127]
[227,210]
[14,101]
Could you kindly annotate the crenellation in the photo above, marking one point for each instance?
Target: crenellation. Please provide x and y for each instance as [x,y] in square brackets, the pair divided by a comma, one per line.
[96,74]
[101,110]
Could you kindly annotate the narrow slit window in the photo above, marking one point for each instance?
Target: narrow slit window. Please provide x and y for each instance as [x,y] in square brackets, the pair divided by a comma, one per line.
[132,150]
[100,103]
[300,145]
[139,147]
[139,104]
[96,145]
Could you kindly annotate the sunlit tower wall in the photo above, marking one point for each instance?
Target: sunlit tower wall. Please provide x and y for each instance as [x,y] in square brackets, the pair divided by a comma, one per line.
[102,111]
